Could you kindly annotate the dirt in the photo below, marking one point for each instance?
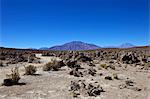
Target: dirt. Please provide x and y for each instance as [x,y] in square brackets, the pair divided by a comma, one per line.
[56,84]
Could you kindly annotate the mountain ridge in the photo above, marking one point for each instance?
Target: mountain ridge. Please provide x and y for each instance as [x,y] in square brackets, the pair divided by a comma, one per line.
[75,45]
[79,45]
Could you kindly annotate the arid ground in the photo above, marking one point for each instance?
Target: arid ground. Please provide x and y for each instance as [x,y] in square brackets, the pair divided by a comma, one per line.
[92,76]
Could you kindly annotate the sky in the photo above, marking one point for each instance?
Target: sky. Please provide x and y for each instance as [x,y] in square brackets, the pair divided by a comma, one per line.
[45,23]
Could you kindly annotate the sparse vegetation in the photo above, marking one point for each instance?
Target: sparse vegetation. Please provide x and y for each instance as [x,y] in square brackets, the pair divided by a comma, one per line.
[49,66]
[30,70]
[104,66]
[147,66]
[54,65]
[115,76]
[13,78]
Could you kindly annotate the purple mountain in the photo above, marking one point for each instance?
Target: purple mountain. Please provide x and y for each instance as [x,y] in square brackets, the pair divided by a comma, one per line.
[75,45]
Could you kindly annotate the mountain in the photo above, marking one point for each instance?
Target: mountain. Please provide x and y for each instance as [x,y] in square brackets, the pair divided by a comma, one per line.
[44,48]
[126,45]
[75,45]
[109,47]
[32,48]
[78,45]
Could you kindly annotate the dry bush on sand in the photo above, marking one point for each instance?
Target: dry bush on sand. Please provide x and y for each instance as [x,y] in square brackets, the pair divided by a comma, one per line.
[104,66]
[54,65]
[13,78]
[30,70]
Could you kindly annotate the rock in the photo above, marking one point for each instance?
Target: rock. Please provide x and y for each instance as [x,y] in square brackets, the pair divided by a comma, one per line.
[136,89]
[130,58]
[74,86]
[83,58]
[112,67]
[76,73]
[101,74]
[75,94]
[92,71]
[91,64]
[111,62]
[122,86]
[129,83]
[94,90]
[7,82]
[108,78]
[72,64]
[1,64]
[85,89]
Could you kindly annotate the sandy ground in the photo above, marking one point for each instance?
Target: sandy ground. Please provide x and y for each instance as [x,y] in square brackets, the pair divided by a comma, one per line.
[55,84]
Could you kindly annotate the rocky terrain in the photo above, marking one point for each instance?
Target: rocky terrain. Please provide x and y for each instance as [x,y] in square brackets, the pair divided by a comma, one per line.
[107,73]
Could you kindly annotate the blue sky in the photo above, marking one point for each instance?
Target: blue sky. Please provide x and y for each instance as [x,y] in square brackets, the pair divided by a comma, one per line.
[40,23]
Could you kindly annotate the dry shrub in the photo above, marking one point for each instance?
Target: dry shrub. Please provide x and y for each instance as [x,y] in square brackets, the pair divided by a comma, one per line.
[47,66]
[104,66]
[30,70]
[13,78]
[54,65]
[147,66]
[115,76]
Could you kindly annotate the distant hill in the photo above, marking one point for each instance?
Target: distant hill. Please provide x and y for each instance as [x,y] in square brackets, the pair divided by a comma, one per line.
[75,45]
[126,45]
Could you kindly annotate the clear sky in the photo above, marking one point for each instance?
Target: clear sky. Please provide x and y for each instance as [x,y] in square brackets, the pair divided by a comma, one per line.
[44,23]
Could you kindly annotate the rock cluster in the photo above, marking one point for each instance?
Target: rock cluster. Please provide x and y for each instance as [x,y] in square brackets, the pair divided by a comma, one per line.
[129,84]
[86,89]
[15,56]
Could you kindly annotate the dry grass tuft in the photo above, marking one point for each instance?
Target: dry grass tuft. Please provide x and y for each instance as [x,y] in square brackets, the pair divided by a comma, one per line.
[13,78]
[30,70]
[54,65]
[104,66]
